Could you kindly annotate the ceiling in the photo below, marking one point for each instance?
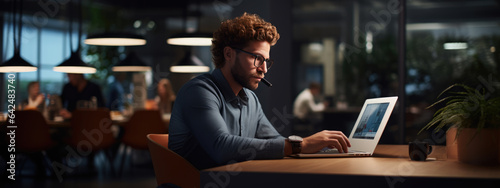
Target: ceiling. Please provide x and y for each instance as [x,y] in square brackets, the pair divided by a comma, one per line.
[328,18]
[149,8]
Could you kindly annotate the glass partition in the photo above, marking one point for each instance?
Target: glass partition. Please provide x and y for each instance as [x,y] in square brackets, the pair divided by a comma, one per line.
[350,48]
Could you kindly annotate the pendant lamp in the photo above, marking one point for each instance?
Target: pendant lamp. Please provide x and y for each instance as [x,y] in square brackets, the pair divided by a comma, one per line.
[17,63]
[190,64]
[131,63]
[75,64]
[115,39]
[191,39]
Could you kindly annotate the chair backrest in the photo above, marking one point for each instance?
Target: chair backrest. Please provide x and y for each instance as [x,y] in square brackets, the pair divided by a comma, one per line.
[32,132]
[169,166]
[142,123]
[93,126]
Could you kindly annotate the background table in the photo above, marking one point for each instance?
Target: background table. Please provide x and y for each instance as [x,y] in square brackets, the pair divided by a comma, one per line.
[389,167]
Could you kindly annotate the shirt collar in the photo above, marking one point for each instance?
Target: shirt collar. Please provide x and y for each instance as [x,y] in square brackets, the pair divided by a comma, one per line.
[227,91]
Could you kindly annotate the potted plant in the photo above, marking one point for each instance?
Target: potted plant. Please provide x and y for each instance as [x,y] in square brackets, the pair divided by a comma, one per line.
[474,116]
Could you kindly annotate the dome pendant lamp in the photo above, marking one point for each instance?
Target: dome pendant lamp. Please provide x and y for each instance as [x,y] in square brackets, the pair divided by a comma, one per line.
[131,63]
[190,64]
[75,64]
[191,39]
[115,39]
[17,63]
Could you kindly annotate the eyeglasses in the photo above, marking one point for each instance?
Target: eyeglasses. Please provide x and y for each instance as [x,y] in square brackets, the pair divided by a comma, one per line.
[259,60]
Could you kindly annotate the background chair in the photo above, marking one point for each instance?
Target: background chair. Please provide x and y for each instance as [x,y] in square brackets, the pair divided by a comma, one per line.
[169,166]
[142,123]
[32,137]
[92,127]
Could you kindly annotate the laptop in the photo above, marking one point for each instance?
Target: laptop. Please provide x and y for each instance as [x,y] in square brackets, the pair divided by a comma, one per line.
[366,132]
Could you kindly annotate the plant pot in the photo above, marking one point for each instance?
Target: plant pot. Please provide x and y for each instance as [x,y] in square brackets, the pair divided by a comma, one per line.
[481,148]
[451,144]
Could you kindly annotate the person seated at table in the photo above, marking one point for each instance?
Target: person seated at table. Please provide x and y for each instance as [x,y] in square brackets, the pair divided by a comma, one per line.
[116,94]
[306,111]
[304,107]
[217,119]
[78,89]
[165,97]
[35,100]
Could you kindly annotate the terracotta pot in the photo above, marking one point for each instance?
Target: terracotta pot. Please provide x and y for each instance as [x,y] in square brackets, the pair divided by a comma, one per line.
[480,148]
[451,144]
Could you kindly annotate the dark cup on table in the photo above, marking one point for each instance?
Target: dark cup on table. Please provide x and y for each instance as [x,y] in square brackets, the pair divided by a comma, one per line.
[419,150]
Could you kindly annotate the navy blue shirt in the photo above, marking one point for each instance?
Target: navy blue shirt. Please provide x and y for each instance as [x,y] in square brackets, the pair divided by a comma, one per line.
[70,95]
[211,126]
[116,96]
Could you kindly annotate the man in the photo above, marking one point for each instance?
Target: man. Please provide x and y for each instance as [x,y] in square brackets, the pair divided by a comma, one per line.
[76,90]
[305,108]
[116,92]
[217,119]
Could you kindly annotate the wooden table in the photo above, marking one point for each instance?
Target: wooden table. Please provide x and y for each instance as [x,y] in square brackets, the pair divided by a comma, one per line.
[389,167]
[116,121]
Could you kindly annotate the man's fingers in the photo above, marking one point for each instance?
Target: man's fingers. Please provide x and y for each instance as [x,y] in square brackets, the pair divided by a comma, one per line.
[340,142]
[336,144]
[345,138]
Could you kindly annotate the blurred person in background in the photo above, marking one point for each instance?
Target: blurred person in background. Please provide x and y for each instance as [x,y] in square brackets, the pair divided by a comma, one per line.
[35,100]
[165,96]
[79,89]
[305,108]
[116,94]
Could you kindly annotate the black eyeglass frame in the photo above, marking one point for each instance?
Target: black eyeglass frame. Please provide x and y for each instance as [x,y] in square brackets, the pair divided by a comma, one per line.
[269,62]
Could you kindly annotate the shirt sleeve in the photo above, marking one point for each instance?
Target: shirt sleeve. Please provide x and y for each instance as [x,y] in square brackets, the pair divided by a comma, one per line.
[313,106]
[202,105]
[115,100]
[64,100]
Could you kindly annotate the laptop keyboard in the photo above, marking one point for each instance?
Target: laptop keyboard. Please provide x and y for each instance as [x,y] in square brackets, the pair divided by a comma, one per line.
[333,151]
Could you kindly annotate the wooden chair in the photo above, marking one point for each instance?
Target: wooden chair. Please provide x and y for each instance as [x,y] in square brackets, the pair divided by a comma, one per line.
[32,132]
[91,132]
[142,123]
[169,166]
[93,126]
[32,136]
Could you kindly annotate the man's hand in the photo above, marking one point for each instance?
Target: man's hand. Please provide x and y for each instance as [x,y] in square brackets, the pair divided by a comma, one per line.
[320,140]
[65,114]
[326,103]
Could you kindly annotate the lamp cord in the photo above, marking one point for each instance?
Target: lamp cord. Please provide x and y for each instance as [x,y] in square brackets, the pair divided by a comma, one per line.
[17,26]
[79,26]
[71,26]
[184,15]
[198,16]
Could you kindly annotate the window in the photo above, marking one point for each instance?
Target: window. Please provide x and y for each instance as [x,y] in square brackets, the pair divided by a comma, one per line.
[448,43]
[355,42]
[43,47]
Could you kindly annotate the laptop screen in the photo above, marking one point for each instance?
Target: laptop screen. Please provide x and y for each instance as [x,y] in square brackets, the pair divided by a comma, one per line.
[370,121]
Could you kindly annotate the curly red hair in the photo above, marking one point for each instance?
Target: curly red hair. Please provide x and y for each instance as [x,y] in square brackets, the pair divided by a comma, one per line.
[238,32]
